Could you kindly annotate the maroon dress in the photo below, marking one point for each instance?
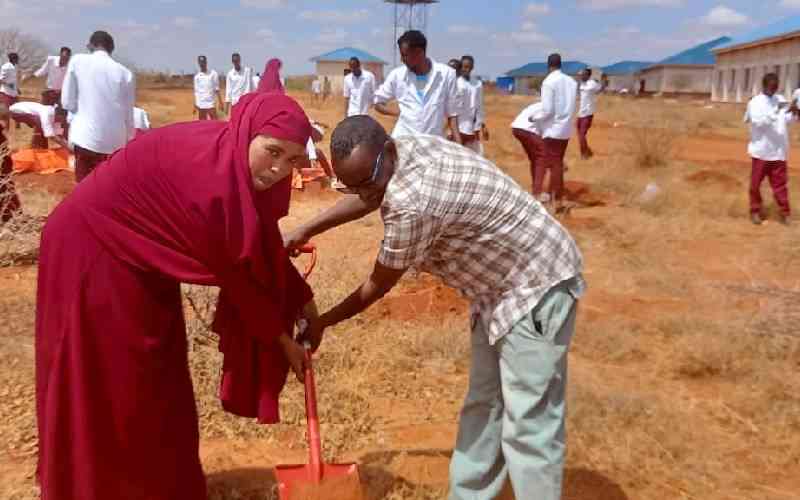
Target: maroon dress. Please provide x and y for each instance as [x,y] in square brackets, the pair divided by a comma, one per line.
[115,406]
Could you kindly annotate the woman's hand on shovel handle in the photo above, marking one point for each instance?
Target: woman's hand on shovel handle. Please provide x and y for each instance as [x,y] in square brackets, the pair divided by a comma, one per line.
[296,355]
[313,328]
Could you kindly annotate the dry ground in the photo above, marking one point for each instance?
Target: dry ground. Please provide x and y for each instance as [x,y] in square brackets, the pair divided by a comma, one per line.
[684,370]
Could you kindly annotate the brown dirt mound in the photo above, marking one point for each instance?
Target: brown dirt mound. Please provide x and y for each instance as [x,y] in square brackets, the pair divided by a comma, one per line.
[425,296]
[582,194]
[59,183]
[714,177]
[583,223]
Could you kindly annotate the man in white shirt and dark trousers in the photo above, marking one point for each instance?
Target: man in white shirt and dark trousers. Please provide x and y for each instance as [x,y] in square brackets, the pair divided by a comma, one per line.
[359,90]
[588,90]
[100,93]
[54,68]
[559,92]
[769,114]
[424,90]
[471,116]
[9,86]
[238,82]
[206,89]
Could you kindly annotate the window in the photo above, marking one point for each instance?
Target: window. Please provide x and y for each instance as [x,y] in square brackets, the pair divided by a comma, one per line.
[747,87]
[732,83]
[720,79]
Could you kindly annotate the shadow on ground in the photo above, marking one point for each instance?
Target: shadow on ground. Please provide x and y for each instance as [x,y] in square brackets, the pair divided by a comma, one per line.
[379,481]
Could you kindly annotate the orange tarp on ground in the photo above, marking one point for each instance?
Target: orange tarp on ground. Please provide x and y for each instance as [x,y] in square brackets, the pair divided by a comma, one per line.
[41,161]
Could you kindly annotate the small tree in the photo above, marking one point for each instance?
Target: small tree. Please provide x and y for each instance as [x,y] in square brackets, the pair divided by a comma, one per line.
[32,51]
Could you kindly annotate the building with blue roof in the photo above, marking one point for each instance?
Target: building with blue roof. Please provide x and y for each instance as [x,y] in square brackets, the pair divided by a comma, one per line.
[622,76]
[687,72]
[743,61]
[528,78]
[333,65]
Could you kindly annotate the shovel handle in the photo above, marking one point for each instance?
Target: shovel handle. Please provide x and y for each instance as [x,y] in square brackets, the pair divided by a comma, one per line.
[312,419]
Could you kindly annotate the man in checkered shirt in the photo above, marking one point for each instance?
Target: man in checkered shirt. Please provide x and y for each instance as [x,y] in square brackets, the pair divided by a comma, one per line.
[454,214]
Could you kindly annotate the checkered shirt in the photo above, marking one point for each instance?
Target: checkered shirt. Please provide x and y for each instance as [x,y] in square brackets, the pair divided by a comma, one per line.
[454,214]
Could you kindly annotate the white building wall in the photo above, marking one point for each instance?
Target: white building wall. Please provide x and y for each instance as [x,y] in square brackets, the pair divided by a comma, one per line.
[741,70]
[619,82]
[678,79]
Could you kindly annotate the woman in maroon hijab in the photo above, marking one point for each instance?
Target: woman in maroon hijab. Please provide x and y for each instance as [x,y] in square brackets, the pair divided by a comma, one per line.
[271,81]
[194,203]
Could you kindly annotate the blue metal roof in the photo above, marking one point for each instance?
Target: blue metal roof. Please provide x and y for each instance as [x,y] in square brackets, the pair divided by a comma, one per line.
[700,55]
[540,69]
[346,53]
[625,67]
[781,28]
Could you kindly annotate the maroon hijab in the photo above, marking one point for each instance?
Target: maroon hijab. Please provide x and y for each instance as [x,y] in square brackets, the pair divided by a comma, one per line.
[180,202]
[271,78]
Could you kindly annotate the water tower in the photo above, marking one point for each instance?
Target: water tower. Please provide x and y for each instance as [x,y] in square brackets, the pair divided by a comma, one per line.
[409,15]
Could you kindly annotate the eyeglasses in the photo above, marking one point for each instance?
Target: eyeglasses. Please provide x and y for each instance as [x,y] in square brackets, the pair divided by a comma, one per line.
[376,170]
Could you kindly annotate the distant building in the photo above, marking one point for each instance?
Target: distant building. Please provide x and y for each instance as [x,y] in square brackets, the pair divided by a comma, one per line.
[528,79]
[742,62]
[334,63]
[688,72]
[622,76]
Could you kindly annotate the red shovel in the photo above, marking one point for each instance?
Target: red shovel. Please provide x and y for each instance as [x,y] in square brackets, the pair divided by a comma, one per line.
[316,480]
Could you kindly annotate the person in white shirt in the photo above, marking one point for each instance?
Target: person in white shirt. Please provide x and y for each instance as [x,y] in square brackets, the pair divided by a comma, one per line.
[529,135]
[206,88]
[425,92]
[359,90]
[471,118]
[54,68]
[256,80]
[559,93]
[238,82]
[141,121]
[100,93]
[47,122]
[588,90]
[316,90]
[9,87]
[769,114]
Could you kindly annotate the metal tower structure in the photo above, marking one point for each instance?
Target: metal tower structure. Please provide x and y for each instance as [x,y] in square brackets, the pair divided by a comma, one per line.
[408,15]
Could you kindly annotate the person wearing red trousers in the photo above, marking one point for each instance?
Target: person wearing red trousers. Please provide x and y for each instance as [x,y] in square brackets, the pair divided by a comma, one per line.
[769,114]
[588,90]
[556,119]
[529,135]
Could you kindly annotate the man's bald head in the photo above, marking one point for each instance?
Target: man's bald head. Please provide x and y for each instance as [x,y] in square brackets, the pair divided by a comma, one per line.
[357,132]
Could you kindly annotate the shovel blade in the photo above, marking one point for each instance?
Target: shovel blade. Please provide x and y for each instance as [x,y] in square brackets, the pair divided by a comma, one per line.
[339,482]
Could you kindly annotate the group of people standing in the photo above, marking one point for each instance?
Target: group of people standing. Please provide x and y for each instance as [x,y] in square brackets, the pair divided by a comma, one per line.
[239,81]
[87,106]
[199,202]
[545,127]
